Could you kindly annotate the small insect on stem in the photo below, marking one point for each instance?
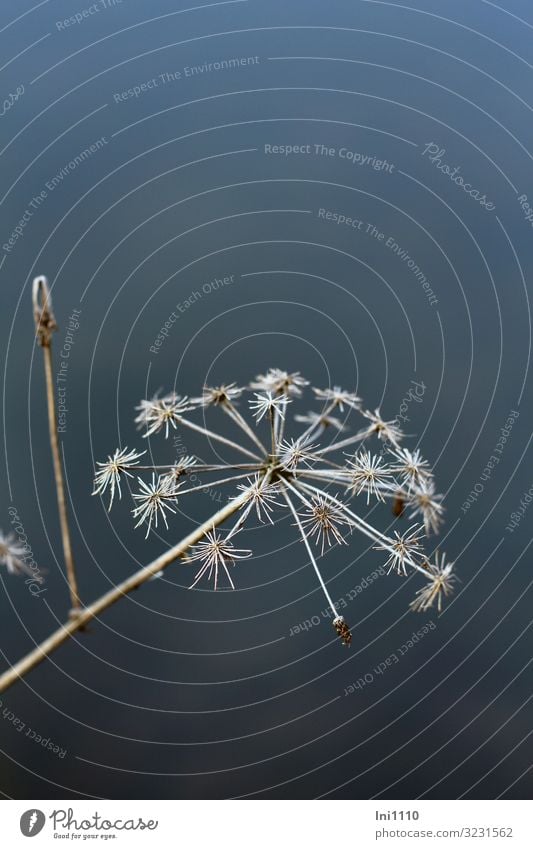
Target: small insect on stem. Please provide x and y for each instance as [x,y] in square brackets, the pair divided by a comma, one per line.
[342,630]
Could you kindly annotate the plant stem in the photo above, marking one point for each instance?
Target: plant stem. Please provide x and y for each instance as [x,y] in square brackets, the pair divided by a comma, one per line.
[211,435]
[45,325]
[86,614]
[309,551]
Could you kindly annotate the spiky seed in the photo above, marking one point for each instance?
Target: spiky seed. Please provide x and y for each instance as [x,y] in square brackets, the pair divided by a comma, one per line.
[154,500]
[367,472]
[278,381]
[388,431]
[427,503]
[412,467]
[406,546]
[323,519]
[292,452]
[263,495]
[216,395]
[268,403]
[163,413]
[338,397]
[440,584]
[12,555]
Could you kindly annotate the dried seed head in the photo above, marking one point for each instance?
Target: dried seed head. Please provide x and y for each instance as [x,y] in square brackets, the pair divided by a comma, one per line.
[216,395]
[216,553]
[268,403]
[386,431]
[278,381]
[12,555]
[402,549]
[322,519]
[292,452]
[338,397]
[109,473]
[426,502]
[154,500]
[367,472]
[263,495]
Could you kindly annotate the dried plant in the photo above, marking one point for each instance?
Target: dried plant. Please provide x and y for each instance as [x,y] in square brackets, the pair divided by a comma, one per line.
[295,474]
[316,477]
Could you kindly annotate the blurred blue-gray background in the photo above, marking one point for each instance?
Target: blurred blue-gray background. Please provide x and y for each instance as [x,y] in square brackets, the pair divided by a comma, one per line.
[139,168]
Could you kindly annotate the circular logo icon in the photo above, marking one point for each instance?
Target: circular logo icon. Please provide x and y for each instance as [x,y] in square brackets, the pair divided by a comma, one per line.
[32,822]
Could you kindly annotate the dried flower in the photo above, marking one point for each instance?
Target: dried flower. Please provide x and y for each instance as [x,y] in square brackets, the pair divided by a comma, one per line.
[153,500]
[412,466]
[403,549]
[338,397]
[441,582]
[261,495]
[278,381]
[292,452]
[268,403]
[216,395]
[163,412]
[12,554]
[387,431]
[294,473]
[426,502]
[367,474]
[324,519]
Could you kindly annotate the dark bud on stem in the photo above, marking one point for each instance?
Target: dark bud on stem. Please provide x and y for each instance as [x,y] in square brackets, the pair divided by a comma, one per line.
[342,630]
[398,505]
